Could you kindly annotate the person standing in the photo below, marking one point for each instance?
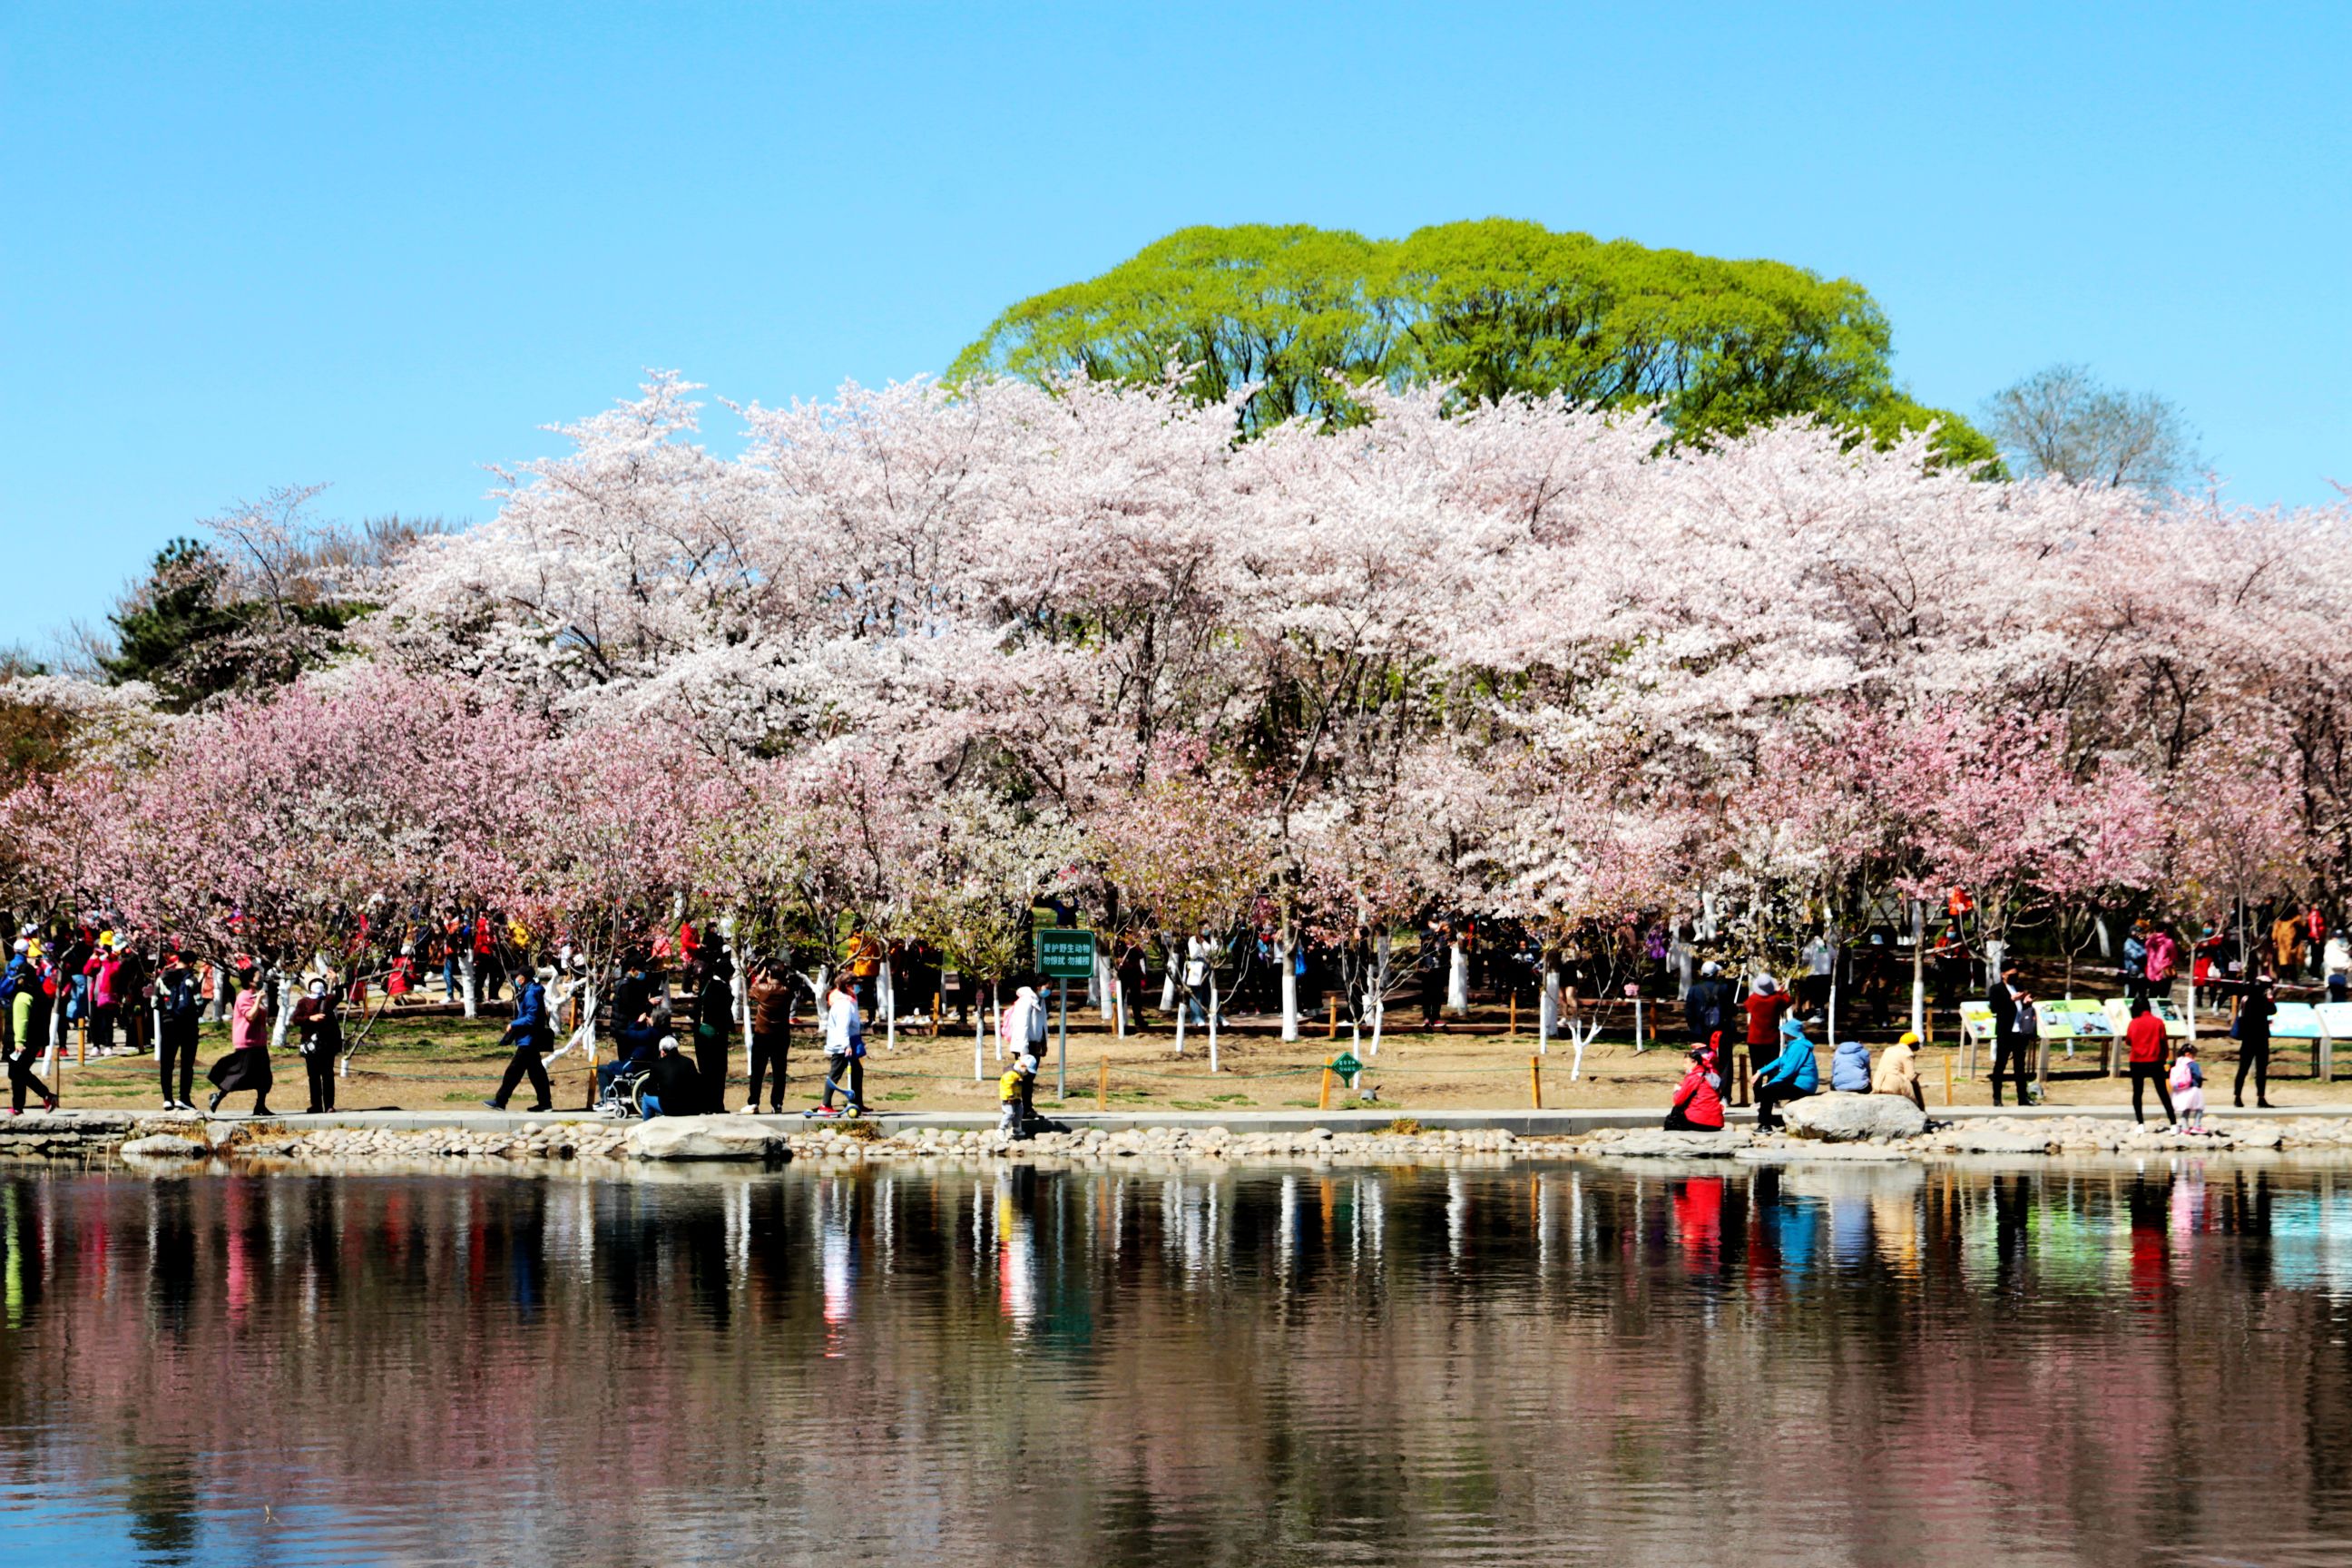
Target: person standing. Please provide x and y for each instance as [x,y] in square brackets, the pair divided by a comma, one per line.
[2252,1032]
[2008,1045]
[1764,1008]
[774,995]
[530,1034]
[2338,966]
[181,1001]
[2143,1042]
[714,1029]
[1706,1009]
[845,1050]
[2134,964]
[321,1024]
[246,1065]
[1429,962]
[2163,959]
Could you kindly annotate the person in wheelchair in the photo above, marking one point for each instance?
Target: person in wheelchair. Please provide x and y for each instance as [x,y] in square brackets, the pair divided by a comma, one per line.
[637,1042]
[672,1087]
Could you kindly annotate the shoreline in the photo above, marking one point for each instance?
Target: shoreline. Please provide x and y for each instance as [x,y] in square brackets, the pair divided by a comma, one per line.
[163,1142]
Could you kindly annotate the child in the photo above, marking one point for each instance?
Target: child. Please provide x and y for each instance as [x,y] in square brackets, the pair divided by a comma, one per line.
[1012,1096]
[2187,1084]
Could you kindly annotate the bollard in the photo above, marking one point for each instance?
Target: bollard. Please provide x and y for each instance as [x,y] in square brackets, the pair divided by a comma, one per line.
[938,1010]
[1947,1077]
[1323,1100]
[1535,1082]
[1102,1084]
[1515,1015]
[1331,1032]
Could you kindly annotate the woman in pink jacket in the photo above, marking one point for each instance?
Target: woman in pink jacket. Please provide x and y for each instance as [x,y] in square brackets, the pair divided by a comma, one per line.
[246,1065]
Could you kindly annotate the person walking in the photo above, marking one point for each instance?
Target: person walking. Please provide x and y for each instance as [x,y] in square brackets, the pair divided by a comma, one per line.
[775,995]
[530,1034]
[2144,1044]
[2009,1047]
[845,1051]
[181,1001]
[2252,1032]
[320,1026]
[246,1065]
[29,1006]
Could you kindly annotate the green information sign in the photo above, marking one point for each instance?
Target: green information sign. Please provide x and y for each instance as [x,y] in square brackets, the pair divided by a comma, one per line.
[1066,955]
[1345,1065]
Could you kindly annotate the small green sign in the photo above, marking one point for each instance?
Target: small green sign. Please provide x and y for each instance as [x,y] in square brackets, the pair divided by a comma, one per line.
[1345,1065]
[1064,954]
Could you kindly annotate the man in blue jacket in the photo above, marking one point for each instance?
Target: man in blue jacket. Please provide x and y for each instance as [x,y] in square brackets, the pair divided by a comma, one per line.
[1793,1075]
[530,1034]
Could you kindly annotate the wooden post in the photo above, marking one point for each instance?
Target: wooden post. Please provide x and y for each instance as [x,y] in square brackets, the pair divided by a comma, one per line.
[1102,1084]
[938,1010]
[82,1041]
[1331,1031]
[1947,1077]
[1535,1082]
[1323,1100]
[1515,1013]
[1744,1062]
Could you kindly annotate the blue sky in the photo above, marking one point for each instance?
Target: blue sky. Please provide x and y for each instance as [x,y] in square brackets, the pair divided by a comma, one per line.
[380,246]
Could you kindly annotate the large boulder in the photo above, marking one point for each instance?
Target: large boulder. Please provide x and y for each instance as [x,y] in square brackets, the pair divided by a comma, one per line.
[706,1137]
[1839,1118]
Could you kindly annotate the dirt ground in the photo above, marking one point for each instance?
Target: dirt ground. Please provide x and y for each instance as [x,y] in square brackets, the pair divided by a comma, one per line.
[429,1063]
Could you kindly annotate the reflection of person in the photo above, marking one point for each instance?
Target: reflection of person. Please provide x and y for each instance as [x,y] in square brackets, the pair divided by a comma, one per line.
[1897,1072]
[2144,1044]
[1698,1105]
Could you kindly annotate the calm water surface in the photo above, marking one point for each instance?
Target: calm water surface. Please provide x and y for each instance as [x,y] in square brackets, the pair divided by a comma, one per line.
[1556,1363]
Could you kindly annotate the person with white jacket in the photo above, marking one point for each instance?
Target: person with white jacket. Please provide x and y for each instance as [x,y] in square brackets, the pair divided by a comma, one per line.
[845,1051]
[2337,962]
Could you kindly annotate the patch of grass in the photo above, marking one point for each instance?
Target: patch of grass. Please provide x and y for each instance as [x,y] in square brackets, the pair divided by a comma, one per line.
[455,1095]
[1300,1104]
[1193,1104]
[1404,1126]
[901,1095]
[1232,1099]
[859,1130]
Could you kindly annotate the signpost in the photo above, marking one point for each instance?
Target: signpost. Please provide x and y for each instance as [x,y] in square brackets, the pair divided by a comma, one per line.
[1064,955]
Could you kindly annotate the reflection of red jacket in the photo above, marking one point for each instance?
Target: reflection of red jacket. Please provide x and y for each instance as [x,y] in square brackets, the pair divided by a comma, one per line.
[1696,1099]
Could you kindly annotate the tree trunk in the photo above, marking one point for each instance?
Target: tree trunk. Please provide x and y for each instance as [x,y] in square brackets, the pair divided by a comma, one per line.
[466,973]
[1213,1015]
[1380,997]
[979,1042]
[1457,979]
[885,996]
[1548,1009]
[1287,950]
[1106,986]
[1918,972]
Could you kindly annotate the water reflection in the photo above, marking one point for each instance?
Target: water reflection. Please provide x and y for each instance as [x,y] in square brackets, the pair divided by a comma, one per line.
[2103,1363]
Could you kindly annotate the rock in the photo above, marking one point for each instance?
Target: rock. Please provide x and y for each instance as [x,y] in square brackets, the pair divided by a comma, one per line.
[705,1137]
[2250,1135]
[2010,1140]
[164,1146]
[1839,1118]
[1818,1151]
[1678,1145]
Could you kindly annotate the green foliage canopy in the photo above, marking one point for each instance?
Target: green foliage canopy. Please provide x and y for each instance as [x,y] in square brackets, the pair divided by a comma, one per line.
[1496,306]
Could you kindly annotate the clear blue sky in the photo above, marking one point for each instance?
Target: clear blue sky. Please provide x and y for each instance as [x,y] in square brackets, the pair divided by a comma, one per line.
[379,245]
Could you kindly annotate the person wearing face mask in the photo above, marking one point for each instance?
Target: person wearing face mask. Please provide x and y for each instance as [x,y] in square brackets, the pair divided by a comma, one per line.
[321,1028]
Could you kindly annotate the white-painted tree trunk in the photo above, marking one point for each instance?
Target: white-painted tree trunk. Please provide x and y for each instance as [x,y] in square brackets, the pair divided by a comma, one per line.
[1167,981]
[979,1040]
[1380,997]
[1183,1016]
[886,996]
[1457,979]
[1919,971]
[466,975]
[279,1009]
[1213,1016]
[1548,1010]
[1106,988]
[1287,950]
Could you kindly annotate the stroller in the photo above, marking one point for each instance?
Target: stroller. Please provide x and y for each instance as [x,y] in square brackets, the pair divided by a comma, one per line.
[625,1100]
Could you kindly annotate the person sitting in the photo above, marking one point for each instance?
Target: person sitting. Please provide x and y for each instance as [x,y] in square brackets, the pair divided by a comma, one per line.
[1792,1075]
[674,1087]
[1850,1068]
[1898,1070]
[638,1044]
[1699,1107]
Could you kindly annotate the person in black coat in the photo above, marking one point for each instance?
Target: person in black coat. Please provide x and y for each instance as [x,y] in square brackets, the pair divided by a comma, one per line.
[714,1026]
[2253,1032]
[181,1001]
[321,1024]
[674,1087]
[1708,1008]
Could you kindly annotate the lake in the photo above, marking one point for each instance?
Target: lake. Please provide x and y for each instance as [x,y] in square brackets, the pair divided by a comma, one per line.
[1542,1363]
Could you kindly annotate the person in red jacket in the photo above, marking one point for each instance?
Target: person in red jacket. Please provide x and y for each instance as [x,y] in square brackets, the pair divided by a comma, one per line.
[1765,1006]
[1699,1107]
[2145,1037]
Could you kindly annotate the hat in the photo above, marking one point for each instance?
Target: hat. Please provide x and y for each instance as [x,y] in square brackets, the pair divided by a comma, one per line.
[1793,1029]
[669,1042]
[1025,1062]
[1765,985]
[1710,967]
[1908,1039]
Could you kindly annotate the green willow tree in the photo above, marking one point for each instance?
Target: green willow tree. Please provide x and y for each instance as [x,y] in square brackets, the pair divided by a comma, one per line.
[1495,308]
